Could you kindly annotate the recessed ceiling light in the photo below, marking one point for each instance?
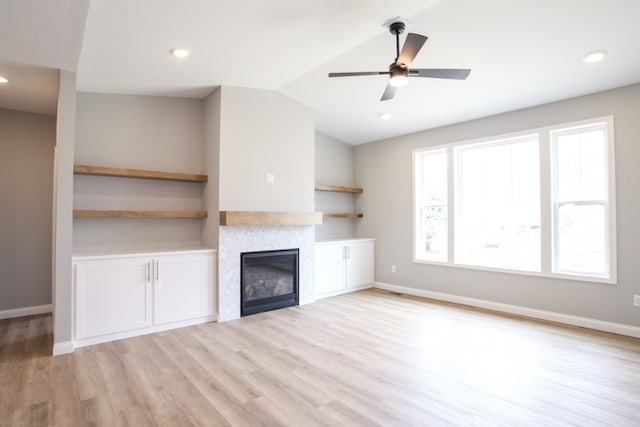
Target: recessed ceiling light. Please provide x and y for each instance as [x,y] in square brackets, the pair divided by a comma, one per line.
[179,52]
[594,56]
[384,116]
[3,80]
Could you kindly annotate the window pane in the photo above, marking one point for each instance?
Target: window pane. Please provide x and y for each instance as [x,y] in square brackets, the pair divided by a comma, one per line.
[434,172]
[581,242]
[580,166]
[431,218]
[434,238]
[498,213]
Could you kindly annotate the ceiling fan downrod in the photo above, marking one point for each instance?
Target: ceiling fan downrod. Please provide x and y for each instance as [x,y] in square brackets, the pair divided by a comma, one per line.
[397,28]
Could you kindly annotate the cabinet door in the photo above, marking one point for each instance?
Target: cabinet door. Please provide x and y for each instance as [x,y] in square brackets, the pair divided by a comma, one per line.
[183,287]
[329,268]
[112,295]
[360,264]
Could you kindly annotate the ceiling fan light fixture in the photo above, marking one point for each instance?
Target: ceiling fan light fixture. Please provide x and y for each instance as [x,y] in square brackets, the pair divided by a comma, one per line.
[398,81]
[3,80]
[399,77]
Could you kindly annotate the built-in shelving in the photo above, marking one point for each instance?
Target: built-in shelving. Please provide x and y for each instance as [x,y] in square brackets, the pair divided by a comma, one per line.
[138,173]
[338,188]
[343,215]
[137,214]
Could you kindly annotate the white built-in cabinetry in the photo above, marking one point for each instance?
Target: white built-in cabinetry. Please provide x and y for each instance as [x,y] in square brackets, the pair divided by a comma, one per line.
[123,295]
[343,266]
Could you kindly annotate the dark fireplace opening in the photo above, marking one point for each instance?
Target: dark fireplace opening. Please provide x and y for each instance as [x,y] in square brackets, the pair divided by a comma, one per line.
[269,280]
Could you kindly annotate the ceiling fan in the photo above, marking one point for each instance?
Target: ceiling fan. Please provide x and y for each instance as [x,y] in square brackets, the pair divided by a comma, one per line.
[399,71]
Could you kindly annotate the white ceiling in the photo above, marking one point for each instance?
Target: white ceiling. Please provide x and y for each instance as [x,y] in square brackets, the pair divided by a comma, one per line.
[521,53]
[38,38]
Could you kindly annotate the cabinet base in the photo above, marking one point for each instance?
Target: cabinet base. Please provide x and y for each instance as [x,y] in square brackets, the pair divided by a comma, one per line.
[143,331]
[343,291]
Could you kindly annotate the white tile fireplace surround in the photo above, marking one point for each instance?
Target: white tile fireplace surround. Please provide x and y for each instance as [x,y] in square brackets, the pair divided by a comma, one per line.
[236,240]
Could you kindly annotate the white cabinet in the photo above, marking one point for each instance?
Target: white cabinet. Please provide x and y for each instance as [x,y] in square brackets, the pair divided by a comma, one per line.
[112,295]
[119,296]
[182,288]
[343,266]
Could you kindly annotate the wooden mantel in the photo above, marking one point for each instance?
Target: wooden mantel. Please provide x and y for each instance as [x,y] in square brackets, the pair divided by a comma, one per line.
[249,218]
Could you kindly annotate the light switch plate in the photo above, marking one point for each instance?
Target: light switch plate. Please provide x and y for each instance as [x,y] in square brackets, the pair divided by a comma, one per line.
[269,178]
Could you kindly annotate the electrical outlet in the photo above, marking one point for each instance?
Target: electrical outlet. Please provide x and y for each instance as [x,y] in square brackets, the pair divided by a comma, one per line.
[393,268]
[636,300]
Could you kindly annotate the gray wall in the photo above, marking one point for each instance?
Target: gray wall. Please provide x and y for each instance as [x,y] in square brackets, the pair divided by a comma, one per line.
[384,169]
[211,156]
[140,132]
[334,166]
[62,214]
[27,144]
[264,132]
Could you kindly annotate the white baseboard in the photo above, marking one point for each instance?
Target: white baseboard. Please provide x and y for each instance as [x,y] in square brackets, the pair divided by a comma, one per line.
[83,342]
[585,322]
[342,291]
[25,311]
[61,348]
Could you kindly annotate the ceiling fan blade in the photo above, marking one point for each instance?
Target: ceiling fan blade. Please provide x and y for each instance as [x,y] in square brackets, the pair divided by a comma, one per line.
[389,92]
[440,73]
[412,46]
[358,73]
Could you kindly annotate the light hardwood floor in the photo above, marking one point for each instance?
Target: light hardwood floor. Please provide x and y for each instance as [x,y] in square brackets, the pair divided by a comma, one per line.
[368,358]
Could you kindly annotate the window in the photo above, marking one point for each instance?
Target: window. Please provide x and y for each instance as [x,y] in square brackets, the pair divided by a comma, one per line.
[498,204]
[580,200]
[432,231]
[539,202]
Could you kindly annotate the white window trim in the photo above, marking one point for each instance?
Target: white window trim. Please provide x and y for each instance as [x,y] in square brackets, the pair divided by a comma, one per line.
[546,208]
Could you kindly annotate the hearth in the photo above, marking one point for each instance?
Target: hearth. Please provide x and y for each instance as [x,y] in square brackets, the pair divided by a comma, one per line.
[269,280]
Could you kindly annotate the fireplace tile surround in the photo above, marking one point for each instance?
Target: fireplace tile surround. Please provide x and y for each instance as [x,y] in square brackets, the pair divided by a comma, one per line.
[233,241]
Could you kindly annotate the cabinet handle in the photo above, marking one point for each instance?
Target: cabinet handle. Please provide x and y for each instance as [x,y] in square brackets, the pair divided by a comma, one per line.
[348,248]
[157,270]
[148,271]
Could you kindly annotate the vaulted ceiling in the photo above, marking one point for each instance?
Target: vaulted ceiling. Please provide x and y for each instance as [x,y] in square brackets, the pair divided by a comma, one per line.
[521,53]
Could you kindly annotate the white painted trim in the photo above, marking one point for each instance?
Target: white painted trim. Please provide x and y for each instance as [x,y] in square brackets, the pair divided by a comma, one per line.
[342,291]
[25,311]
[141,331]
[61,348]
[568,319]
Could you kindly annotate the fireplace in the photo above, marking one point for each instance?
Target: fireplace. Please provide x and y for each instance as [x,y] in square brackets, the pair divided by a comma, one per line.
[269,280]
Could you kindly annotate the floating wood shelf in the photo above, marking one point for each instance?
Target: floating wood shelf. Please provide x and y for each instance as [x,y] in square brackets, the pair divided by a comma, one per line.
[138,173]
[338,188]
[249,218]
[137,214]
[343,215]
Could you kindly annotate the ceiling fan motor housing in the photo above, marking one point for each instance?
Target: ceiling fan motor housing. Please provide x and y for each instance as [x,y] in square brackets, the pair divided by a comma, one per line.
[396,28]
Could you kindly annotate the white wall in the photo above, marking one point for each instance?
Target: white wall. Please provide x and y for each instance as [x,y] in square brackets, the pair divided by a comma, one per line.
[264,132]
[334,166]
[139,132]
[384,169]
[27,144]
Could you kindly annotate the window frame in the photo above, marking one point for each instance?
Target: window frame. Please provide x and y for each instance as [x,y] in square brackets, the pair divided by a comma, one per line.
[547,200]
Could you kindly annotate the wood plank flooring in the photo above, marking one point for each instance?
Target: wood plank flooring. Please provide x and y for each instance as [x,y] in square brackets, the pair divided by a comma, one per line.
[365,359]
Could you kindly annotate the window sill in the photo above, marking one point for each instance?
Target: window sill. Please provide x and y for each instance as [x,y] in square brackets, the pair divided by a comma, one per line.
[563,276]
